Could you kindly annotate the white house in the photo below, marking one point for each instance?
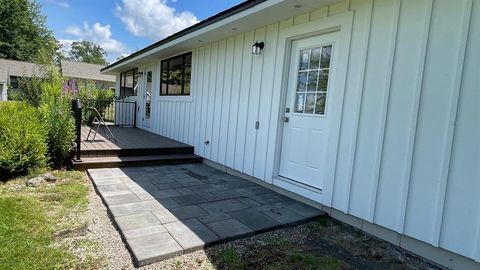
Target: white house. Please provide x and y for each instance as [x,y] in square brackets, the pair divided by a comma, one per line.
[367,107]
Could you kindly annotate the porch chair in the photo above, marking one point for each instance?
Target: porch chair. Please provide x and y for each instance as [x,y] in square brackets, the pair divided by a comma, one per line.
[98,123]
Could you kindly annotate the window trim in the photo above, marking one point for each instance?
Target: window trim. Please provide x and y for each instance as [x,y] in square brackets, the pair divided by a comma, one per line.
[182,94]
[123,82]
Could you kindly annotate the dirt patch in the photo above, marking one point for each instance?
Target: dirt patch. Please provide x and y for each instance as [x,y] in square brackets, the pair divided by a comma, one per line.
[321,244]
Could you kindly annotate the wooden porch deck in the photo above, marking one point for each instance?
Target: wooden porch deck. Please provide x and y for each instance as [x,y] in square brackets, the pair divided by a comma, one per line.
[133,147]
[126,138]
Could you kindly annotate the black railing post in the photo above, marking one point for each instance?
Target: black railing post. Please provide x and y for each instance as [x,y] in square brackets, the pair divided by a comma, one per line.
[78,128]
[135,114]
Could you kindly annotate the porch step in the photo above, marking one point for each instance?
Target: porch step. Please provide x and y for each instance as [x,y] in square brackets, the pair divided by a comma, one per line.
[128,161]
[124,152]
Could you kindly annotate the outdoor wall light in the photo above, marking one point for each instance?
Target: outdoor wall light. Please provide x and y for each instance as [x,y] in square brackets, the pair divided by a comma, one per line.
[257,47]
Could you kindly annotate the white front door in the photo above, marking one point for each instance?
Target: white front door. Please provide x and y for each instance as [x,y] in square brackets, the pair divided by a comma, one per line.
[147,96]
[308,110]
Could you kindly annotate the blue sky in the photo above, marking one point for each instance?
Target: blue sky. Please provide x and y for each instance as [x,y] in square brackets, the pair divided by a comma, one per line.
[124,26]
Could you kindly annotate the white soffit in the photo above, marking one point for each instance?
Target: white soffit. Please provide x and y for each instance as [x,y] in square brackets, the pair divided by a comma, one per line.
[265,13]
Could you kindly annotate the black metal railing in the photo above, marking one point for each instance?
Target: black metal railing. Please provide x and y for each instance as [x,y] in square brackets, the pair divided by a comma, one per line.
[114,112]
[77,114]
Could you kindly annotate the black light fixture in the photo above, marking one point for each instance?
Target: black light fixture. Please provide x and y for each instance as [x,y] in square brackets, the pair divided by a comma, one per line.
[257,47]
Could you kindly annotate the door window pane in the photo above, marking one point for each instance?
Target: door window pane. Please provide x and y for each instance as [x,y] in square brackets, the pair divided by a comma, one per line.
[312,80]
[302,81]
[326,53]
[304,59]
[310,103]
[320,103]
[323,80]
[299,102]
[315,60]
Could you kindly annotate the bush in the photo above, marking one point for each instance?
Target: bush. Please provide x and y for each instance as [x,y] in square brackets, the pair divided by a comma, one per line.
[22,139]
[56,115]
[101,99]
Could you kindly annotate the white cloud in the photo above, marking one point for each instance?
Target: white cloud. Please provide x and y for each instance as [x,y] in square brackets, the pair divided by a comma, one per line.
[153,19]
[98,34]
[60,3]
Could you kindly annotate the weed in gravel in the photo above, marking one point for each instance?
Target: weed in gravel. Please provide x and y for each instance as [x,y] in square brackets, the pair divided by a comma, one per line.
[229,259]
[308,261]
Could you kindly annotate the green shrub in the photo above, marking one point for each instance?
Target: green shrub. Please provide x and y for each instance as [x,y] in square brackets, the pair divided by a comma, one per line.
[88,91]
[22,139]
[29,89]
[101,99]
[56,115]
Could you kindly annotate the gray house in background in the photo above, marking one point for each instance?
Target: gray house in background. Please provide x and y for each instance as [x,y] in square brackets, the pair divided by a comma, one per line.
[82,72]
[11,71]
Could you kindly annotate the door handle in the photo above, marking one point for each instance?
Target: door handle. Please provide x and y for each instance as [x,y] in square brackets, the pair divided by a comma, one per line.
[286,119]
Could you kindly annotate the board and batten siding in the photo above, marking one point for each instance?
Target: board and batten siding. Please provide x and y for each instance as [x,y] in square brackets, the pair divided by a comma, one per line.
[409,145]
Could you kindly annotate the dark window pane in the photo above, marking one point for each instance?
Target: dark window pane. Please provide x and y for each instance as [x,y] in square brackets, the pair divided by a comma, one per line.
[326,54]
[323,81]
[129,83]
[304,59]
[310,103]
[302,81]
[299,103]
[315,59]
[312,81]
[320,103]
[14,82]
[164,76]
[175,74]
[188,73]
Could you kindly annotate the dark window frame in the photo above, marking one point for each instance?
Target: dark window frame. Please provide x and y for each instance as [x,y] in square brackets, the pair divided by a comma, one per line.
[167,64]
[123,82]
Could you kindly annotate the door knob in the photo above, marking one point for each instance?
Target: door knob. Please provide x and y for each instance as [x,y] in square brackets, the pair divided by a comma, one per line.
[286,119]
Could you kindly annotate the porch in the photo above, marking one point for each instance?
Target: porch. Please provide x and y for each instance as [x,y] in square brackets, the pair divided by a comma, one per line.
[114,140]
[130,147]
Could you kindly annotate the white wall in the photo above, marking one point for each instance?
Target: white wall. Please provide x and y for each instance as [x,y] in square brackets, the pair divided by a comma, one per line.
[409,147]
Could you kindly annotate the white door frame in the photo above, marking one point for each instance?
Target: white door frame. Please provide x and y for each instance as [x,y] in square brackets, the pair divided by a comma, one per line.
[343,24]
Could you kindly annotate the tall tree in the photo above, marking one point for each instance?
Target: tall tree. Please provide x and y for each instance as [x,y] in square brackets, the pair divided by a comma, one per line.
[24,34]
[88,52]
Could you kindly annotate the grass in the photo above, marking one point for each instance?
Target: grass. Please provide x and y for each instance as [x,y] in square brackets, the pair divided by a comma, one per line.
[32,218]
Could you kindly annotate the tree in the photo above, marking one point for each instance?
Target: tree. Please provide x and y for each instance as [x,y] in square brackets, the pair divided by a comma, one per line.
[24,34]
[88,52]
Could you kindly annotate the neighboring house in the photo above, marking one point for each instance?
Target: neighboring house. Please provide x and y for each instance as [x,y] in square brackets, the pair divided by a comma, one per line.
[369,108]
[84,72]
[11,71]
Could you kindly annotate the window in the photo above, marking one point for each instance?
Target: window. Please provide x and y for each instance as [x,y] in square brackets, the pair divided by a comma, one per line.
[14,82]
[175,76]
[312,80]
[129,83]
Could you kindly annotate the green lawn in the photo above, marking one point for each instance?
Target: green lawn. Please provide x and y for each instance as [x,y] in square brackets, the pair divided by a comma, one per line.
[35,224]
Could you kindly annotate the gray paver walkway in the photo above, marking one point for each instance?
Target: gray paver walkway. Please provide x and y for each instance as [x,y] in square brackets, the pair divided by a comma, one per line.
[165,211]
